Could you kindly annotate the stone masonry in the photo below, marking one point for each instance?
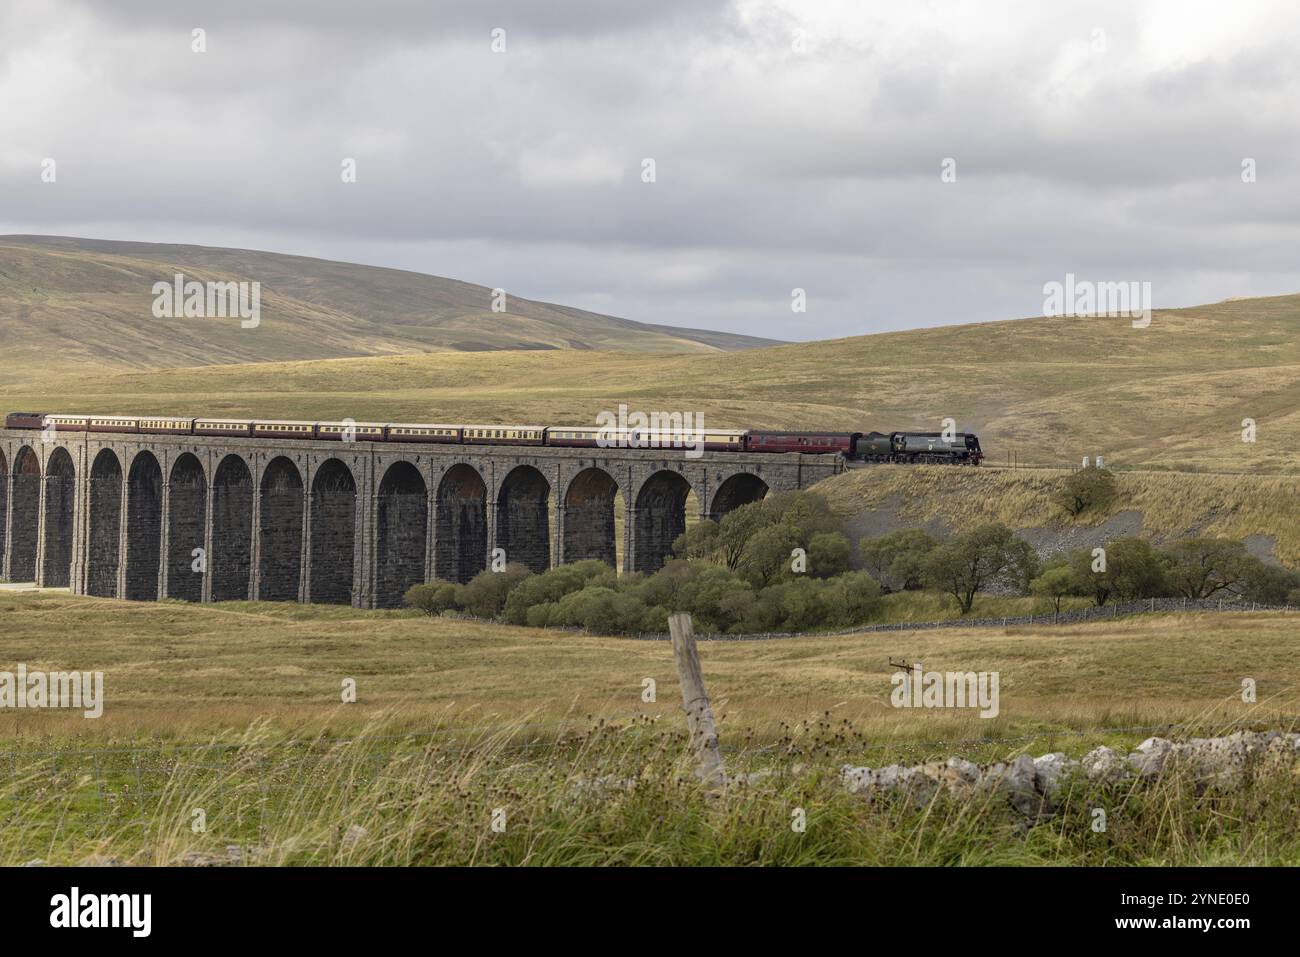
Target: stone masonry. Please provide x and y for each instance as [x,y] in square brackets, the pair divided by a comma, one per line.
[213,519]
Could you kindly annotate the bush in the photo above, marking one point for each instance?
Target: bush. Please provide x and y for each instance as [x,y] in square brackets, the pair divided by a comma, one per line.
[897,559]
[434,598]
[828,555]
[486,593]
[554,584]
[1090,488]
[1268,584]
[851,598]
[986,555]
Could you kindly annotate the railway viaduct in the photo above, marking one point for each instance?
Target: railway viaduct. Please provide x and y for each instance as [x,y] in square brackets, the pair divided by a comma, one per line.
[214,519]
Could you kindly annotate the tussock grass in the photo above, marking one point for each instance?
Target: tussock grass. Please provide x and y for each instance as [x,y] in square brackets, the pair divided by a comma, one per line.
[612,794]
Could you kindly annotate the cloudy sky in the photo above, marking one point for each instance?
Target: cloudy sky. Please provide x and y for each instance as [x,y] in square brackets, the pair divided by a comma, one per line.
[796,144]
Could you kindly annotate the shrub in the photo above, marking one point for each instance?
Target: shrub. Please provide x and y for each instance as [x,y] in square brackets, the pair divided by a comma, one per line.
[1090,488]
[486,593]
[897,559]
[1268,584]
[828,555]
[434,598]
[850,598]
[554,584]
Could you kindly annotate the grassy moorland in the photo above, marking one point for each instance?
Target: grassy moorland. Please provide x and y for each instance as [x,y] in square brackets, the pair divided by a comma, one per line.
[87,304]
[460,724]
[1170,396]
[186,672]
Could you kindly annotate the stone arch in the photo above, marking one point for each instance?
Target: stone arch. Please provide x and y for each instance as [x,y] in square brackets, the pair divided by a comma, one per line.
[660,516]
[232,530]
[524,518]
[460,525]
[740,489]
[60,497]
[589,517]
[187,517]
[104,548]
[143,528]
[280,531]
[26,495]
[333,533]
[401,532]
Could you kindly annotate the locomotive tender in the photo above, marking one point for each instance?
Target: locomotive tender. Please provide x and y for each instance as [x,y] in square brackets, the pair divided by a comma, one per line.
[901,447]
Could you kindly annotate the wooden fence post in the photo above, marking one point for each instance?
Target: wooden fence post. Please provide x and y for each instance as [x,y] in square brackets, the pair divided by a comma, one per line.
[699,713]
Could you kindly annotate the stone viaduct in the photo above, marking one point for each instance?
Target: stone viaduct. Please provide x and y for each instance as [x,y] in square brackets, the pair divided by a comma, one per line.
[213,519]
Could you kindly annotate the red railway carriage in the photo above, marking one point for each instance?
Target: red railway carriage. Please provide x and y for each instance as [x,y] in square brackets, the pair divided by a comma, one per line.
[25,420]
[810,443]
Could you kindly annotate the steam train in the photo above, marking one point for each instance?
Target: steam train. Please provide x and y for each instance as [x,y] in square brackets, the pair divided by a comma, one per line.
[962,448]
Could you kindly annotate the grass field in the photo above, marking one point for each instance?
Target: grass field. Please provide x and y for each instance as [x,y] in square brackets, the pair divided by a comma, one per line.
[461,724]
[186,672]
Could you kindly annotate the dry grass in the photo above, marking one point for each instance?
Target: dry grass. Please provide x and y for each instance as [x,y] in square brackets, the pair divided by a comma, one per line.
[184,672]
[1049,390]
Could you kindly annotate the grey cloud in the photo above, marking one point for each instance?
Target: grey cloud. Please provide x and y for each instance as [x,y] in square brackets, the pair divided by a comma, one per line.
[776,168]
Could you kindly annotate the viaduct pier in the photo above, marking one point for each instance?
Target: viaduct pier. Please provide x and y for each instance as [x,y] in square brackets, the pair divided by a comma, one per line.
[203,518]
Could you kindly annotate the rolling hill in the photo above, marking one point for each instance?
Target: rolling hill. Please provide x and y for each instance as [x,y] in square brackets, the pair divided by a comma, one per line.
[84,303]
[1047,390]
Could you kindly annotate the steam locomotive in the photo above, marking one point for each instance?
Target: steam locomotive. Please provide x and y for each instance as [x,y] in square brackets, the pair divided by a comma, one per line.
[961,448]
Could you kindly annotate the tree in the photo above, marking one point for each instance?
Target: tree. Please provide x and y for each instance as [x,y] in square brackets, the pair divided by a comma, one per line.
[1139,570]
[767,555]
[1086,489]
[988,554]
[1055,584]
[896,559]
[1093,575]
[1202,567]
